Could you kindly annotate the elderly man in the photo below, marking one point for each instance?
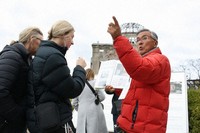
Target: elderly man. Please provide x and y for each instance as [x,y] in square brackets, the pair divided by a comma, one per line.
[145,107]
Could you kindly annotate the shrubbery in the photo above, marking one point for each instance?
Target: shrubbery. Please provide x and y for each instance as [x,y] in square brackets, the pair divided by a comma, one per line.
[194,110]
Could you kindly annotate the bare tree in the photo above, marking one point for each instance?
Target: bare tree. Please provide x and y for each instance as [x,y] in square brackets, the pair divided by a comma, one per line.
[184,67]
[195,66]
[191,67]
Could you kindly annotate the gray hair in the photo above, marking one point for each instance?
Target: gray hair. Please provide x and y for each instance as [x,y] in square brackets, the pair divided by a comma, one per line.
[153,34]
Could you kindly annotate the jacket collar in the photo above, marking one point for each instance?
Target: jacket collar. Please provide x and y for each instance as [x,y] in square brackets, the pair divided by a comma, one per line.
[63,50]
[18,48]
[155,50]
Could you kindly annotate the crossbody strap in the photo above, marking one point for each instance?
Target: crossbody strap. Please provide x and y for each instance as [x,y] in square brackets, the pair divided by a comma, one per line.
[97,101]
[91,88]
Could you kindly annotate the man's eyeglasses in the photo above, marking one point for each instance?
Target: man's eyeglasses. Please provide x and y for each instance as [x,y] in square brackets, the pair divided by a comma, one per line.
[143,38]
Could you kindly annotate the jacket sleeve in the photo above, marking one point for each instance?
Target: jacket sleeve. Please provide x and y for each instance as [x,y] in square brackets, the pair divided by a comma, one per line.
[146,69]
[101,95]
[9,69]
[57,78]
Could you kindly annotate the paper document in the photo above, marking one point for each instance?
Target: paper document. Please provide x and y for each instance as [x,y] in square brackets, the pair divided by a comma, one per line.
[125,90]
[111,72]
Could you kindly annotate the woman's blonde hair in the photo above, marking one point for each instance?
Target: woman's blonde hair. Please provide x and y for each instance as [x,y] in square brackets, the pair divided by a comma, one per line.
[89,74]
[25,35]
[61,27]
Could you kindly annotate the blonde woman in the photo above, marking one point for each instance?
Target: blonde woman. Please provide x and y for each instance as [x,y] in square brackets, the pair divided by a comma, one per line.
[14,65]
[91,117]
[52,81]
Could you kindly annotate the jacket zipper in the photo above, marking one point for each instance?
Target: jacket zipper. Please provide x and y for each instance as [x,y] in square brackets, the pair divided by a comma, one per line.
[134,115]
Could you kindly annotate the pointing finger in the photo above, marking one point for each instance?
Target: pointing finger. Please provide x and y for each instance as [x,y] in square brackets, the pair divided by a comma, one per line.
[115,21]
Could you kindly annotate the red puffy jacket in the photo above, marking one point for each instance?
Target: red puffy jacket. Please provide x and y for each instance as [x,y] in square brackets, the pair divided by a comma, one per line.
[145,107]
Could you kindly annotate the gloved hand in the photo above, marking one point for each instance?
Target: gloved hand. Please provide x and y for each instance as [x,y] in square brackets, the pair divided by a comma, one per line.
[114,29]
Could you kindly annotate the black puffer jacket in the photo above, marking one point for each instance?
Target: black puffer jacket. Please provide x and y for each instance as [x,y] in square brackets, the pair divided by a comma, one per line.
[13,84]
[51,81]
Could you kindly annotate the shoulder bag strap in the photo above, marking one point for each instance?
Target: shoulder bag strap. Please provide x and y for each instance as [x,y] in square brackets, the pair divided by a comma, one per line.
[91,88]
[97,101]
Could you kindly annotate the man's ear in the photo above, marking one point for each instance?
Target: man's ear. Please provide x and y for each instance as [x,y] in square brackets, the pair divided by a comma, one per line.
[156,43]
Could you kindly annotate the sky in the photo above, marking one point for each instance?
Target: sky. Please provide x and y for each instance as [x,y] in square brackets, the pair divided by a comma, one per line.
[177,23]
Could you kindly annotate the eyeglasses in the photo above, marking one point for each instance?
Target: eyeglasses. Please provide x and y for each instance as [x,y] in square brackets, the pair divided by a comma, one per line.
[38,38]
[143,38]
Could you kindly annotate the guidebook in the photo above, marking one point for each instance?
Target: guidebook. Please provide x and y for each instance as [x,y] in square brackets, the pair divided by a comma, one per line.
[112,72]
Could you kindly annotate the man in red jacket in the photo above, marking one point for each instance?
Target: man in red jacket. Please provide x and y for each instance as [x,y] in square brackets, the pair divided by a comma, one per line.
[145,107]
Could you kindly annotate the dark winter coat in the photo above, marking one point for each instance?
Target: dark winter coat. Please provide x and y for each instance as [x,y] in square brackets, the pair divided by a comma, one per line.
[13,86]
[50,80]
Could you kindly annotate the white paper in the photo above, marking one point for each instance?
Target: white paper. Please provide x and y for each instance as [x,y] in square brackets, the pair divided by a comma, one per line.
[125,90]
[111,72]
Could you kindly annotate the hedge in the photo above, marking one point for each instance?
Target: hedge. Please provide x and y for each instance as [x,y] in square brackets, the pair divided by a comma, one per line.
[194,110]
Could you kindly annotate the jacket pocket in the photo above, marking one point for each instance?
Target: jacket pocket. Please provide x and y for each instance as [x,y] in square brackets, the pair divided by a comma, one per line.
[48,116]
[134,114]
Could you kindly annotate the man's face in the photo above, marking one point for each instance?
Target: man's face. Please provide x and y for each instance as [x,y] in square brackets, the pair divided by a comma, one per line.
[145,42]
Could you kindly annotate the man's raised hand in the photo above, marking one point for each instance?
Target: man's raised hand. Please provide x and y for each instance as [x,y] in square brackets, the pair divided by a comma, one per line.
[114,28]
